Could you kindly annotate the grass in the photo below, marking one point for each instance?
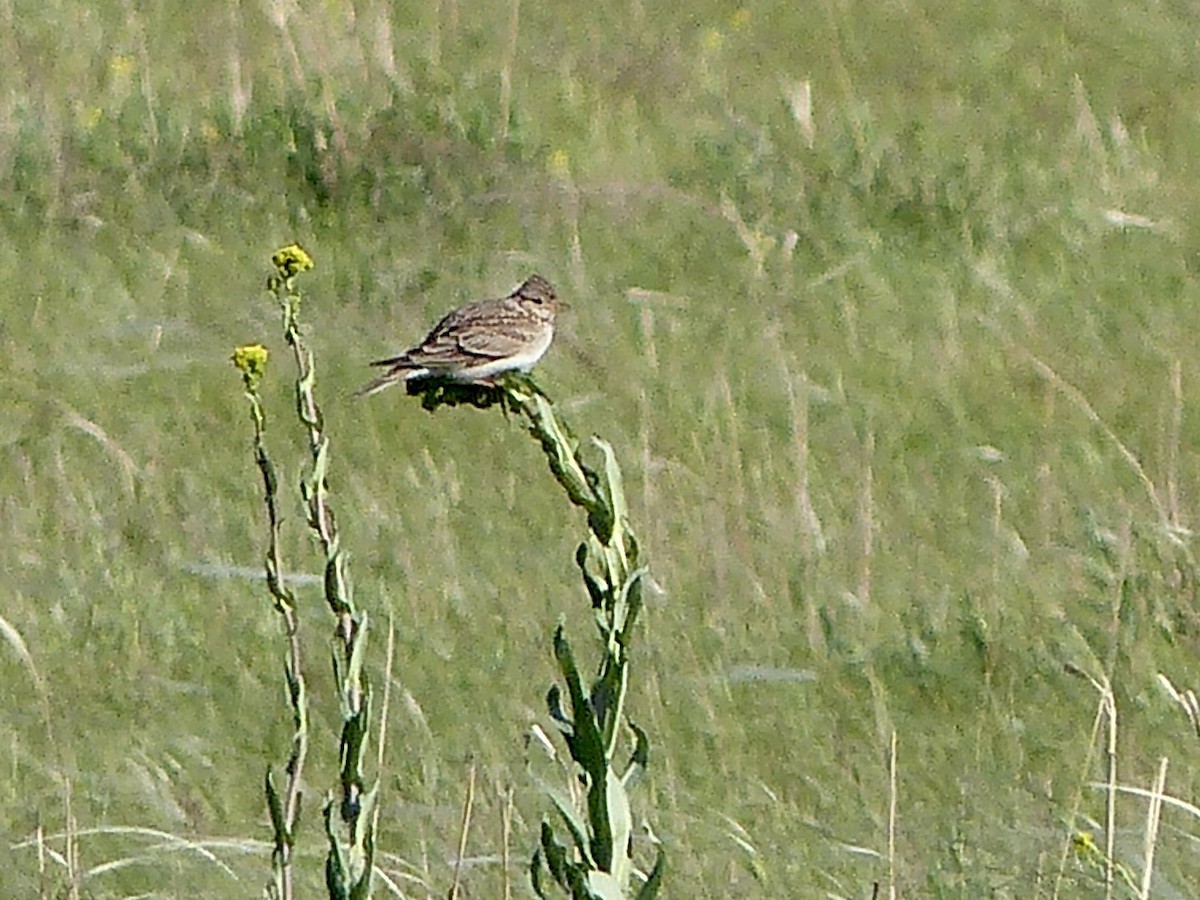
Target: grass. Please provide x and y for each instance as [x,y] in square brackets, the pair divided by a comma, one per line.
[877,376]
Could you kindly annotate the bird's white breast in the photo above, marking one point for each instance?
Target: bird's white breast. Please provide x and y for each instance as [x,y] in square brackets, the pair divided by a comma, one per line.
[522,361]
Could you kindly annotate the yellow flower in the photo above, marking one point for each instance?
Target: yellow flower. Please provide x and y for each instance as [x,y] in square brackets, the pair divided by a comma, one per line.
[559,164]
[91,116]
[251,361]
[712,39]
[740,19]
[291,260]
[121,65]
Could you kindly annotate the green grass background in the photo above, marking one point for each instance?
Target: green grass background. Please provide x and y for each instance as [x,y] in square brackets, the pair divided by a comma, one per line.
[879,379]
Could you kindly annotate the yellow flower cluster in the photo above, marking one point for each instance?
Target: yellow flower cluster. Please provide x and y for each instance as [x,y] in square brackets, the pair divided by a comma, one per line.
[251,361]
[291,260]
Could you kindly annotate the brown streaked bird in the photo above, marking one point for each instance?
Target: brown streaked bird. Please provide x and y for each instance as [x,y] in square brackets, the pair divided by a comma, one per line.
[475,343]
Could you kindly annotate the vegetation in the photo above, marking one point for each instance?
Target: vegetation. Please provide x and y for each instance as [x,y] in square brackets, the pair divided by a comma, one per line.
[887,312]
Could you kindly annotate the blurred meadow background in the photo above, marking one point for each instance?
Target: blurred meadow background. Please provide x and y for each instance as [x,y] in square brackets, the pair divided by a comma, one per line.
[888,309]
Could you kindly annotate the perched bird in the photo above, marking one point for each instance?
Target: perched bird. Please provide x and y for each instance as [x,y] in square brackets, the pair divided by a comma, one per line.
[477,342]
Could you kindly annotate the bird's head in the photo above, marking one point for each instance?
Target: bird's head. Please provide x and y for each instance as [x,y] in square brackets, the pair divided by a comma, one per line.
[537,291]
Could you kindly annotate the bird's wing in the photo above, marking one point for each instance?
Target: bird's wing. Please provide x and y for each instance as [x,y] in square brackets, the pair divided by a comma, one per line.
[464,335]
[438,345]
[498,341]
[501,339]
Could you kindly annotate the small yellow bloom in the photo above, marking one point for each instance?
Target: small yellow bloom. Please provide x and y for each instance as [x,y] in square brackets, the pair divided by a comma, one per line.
[291,260]
[1084,842]
[712,40]
[740,19]
[91,117]
[251,361]
[121,65]
[559,164]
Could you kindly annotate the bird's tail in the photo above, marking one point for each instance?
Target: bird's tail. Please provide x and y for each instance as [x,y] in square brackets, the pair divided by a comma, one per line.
[378,384]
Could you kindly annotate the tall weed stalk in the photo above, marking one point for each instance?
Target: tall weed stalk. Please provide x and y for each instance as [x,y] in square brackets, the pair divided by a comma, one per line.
[350,833]
[594,858]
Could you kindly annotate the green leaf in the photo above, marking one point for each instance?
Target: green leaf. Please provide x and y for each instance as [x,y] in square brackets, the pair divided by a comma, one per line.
[639,759]
[362,853]
[336,868]
[613,487]
[275,807]
[556,855]
[628,605]
[608,700]
[603,886]
[620,824]
[602,844]
[559,447]
[632,552]
[650,889]
[358,650]
[586,745]
[366,816]
[571,819]
[594,588]
[535,874]
[355,732]
[561,719]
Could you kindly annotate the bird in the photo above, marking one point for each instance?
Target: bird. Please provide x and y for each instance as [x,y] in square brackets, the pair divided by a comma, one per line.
[475,343]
